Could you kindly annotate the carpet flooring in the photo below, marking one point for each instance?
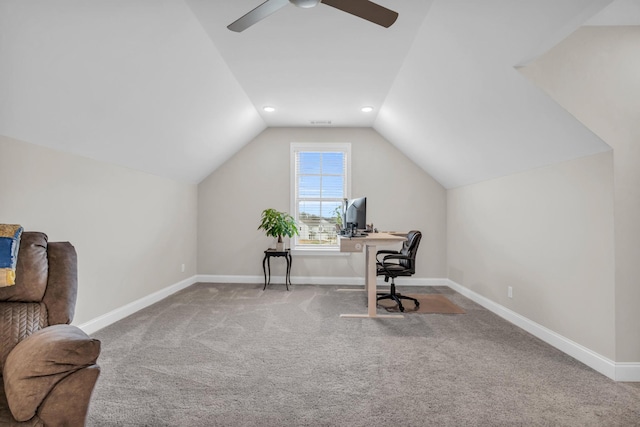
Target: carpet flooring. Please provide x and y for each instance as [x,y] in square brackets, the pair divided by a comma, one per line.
[235,355]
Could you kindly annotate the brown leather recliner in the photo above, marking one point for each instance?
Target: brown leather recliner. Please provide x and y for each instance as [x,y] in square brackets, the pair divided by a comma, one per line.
[48,366]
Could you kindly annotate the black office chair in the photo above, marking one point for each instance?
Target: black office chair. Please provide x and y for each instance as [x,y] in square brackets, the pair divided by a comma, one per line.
[399,263]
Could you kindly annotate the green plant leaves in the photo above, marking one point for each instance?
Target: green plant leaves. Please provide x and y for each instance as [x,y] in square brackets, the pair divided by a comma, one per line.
[278,224]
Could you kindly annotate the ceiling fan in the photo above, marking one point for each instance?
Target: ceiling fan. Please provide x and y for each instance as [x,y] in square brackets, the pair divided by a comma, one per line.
[364,9]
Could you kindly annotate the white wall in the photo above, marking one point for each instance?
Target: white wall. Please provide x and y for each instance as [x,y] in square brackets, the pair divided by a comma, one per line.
[547,233]
[400,197]
[132,230]
[594,75]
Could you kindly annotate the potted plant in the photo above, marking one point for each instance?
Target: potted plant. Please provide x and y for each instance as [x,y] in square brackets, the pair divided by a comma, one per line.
[278,224]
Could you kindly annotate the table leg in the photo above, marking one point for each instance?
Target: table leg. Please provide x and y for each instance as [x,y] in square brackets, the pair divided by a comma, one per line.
[269,269]
[286,274]
[264,271]
[289,263]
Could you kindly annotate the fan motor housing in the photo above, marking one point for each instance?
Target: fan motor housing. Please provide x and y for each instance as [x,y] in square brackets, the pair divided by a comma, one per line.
[305,3]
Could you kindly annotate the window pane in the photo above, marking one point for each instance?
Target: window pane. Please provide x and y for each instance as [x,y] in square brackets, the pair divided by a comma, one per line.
[332,163]
[308,186]
[320,186]
[308,210]
[331,211]
[309,163]
[317,223]
[332,187]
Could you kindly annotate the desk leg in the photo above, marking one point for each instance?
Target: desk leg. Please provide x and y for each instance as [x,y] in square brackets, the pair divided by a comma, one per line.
[370,281]
[370,288]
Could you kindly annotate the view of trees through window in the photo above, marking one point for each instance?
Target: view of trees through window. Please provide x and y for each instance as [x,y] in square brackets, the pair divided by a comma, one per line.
[320,190]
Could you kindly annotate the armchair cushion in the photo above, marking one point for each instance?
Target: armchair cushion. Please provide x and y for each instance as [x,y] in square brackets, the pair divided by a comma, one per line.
[17,321]
[39,362]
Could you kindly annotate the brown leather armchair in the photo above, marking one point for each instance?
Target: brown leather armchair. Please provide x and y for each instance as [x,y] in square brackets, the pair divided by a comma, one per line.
[48,366]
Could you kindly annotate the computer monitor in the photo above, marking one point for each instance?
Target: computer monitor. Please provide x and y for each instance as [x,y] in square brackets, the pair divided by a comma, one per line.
[356,213]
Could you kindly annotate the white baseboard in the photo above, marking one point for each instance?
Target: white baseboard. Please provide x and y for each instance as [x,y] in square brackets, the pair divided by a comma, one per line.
[113,316]
[616,371]
[628,372]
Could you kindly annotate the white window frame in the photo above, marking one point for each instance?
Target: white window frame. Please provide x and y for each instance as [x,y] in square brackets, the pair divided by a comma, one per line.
[296,147]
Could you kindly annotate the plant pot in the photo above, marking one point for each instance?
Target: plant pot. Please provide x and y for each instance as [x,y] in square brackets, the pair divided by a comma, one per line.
[279,246]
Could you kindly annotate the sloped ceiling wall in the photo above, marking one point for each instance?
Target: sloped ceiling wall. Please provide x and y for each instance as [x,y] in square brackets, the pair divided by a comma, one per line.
[135,83]
[462,111]
[161,86]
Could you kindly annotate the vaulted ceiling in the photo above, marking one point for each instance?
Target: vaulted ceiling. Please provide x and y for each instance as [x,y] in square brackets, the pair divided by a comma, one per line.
[164,87]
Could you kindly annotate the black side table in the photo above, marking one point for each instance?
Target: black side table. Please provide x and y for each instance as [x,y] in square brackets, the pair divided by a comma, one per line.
[267,256]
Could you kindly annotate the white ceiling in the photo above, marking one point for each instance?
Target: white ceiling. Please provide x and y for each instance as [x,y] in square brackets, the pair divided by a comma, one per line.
[162,86]
[316,64]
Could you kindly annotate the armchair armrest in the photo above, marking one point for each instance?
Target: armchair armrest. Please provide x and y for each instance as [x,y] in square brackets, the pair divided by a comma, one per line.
[37,364]
[60,296]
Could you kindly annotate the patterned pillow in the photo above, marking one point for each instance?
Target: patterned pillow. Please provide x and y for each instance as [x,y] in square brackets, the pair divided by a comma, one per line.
[9,246]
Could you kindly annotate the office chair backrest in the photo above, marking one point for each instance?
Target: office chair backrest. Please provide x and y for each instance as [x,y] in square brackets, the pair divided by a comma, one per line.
[410,249]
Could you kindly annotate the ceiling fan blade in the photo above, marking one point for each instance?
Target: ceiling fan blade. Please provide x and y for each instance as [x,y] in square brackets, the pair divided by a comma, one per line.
[365,9]
[257,14]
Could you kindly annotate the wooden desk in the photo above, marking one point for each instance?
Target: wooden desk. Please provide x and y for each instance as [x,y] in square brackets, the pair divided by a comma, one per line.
[370,243]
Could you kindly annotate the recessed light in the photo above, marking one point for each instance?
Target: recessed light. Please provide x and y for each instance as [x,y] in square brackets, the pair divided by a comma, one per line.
[269,109]
[367,109]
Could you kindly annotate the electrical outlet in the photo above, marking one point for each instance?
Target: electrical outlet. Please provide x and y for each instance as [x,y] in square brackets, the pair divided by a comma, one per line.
[182,268]
[510,292]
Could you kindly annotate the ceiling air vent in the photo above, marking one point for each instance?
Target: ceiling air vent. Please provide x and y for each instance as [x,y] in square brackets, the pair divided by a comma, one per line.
[320,122]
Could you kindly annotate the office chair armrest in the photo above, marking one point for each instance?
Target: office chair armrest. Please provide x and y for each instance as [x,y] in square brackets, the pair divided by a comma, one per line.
[394,256]
[385,251]
[385,265]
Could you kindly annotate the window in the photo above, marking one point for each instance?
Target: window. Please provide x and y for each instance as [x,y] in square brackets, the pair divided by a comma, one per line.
[319,184]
